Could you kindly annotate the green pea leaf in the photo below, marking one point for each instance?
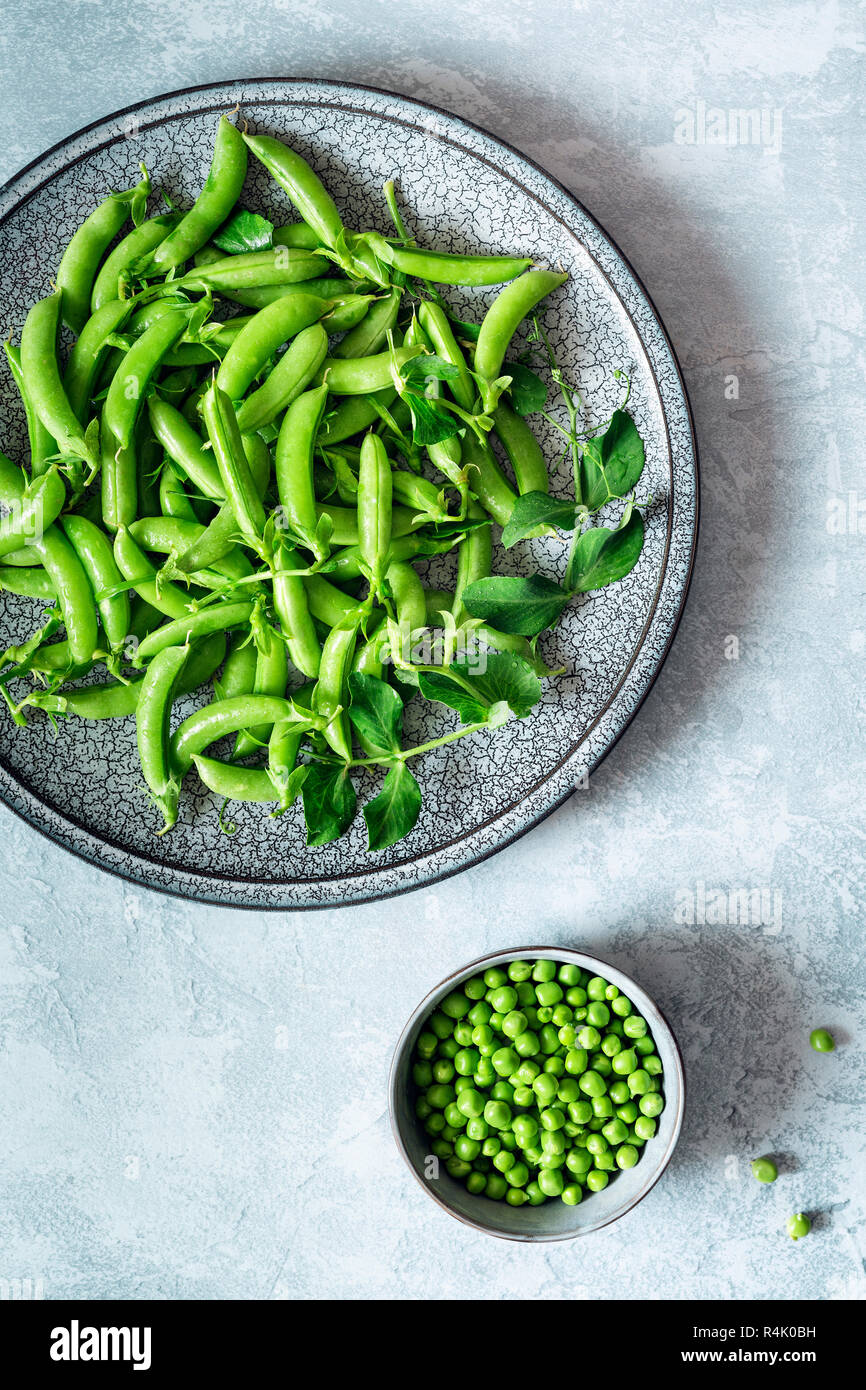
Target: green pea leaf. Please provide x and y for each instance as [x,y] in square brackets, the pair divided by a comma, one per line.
[427,367]
[329,803]
[431,423]
[376,713]
[393,813]
[484,691]
[612,462]
[245,231]
[603,556]
[534,509]
[528,392]
[523,606]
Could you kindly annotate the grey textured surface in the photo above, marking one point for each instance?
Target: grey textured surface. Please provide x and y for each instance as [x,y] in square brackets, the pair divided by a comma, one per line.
[193,1099]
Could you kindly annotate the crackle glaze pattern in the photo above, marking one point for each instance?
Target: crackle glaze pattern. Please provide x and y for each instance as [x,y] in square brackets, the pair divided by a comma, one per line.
[464,191]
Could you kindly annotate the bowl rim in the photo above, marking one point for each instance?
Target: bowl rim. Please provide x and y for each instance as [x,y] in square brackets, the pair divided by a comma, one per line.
[565,954]
[221,889]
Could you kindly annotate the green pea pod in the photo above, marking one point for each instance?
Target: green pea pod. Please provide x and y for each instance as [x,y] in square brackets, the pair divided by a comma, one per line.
[78,265]
[130,382]
[42,444]
[294,371]
[331,697]
[437,602]
[294,464]
[235,472]
[41,372]
[327,603]
[221,617]
[299,234]
[265,332]
[239,673]
[345,565]
[135,567]
[32,511]
[374,508]
[361,376]
[301,185]
[419,495]
[116,699]
[74,593]
[253,270]
[344,522]
[445,269]
[185,447]
[173,501]
[110,283]
[438,329]
[212,206]
[293,610]
[522,448]
[507,311]
[93,549]
[235,783]
[486,478]
[152,716]
[408,594]
[118,482]
[89,350]
[30,583]
[371,334]
[474,561]
[175,535]
[222,717]
[346,312]
[352,415]
[323,287]
[272,675]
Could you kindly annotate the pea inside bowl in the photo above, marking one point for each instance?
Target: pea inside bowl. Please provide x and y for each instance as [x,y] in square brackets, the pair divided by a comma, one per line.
[510,1107]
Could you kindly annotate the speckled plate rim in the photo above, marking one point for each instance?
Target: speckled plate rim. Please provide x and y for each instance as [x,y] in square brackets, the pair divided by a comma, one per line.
[675,1093]
[658,631]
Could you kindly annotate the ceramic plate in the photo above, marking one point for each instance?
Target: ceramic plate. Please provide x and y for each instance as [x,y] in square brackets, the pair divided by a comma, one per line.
[464,191]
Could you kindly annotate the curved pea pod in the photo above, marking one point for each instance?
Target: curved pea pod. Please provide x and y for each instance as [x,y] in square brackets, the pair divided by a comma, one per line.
[323,287]
[260,338]
[294,465]
[272,673]
[239,673]
[152,716]
[301,184]
[175,535]
[362,376]
[79,262]
[331,697]
[42,381]
[345,564]
[74,593]
[327,603]
[371,334]
[33,582]
[32,511]
[135,567]
[185,447]
[42,445]
[443,268]
[110,282]
[294,371]
[505,314]
[297,234]
[173,500]
[220,718]
[212,206]
[94,550]
[130,381]
[523,449]
[281,265]
[117,699]
[235,783]
[408,594]
[88,351]
[234,468]
[437,327]
[419,495]
[345,525]
[293,610]
[474,560]
[354,414]
[220,617]
[346,312]
[374,508]
[486,478]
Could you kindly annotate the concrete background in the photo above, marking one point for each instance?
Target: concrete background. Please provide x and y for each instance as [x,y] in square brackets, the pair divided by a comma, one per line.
[192,1101]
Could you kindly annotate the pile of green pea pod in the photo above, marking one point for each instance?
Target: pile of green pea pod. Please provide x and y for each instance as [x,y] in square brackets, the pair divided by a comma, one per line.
[226,484]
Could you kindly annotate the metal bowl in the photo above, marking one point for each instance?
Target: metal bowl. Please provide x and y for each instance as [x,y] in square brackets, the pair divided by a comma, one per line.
[553,1220]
